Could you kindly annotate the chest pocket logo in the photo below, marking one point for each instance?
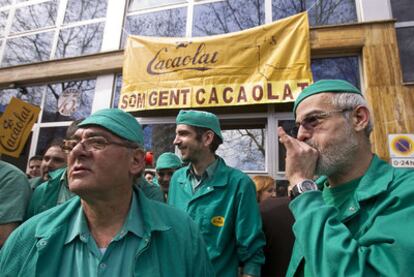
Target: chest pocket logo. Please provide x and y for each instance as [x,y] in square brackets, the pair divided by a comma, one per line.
[217,221]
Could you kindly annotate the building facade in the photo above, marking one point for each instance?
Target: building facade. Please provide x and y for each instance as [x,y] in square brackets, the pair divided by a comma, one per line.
[66,57]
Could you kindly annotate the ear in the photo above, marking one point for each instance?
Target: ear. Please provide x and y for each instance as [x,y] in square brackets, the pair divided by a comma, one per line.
[137,164]
[360,118]
[208,137]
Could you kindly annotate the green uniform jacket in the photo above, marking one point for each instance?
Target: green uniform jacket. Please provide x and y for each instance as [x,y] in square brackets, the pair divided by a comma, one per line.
[370,236]
[45,196]
[171,246]
[227,213]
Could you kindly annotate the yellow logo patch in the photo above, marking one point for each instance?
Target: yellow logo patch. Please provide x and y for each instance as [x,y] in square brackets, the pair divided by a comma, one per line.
[218,221]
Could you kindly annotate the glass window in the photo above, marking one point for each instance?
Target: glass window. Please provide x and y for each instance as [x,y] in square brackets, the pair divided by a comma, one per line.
[403,10]
[4,3]
[32,95]
[405,38]
[47,135]
[323,13]
[34,17]
[167,23]
[78,10]
[159,138]
[68,101]
[3,19]
[244,149]
[27,49]
[80,40]
[117,90]
[345,68]
[227,16]
[145,4]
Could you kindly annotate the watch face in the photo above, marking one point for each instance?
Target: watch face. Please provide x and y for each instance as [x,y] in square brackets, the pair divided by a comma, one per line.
[308,185]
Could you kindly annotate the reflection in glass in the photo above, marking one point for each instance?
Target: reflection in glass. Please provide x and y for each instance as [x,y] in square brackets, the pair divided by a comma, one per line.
[78,10]
[168,23]
[32,95]
[3,19]
[117,90]
[287,125]
[345,68]
[28,49]
[76,104]
[34,17]
[145,4]
[159,138]
[47,135]
[79,41]
[323,13]
[402,10]
[4,3]
[405,38]
[227,16]
[244,149]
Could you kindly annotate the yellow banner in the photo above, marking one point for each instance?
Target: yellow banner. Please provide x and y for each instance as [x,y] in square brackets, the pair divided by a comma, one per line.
[16,124]
[265,64]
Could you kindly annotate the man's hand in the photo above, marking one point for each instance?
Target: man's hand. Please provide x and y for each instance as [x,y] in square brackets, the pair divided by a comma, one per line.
[300,158]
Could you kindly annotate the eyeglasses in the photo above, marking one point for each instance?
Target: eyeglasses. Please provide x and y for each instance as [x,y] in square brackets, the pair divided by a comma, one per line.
[93,144]
[313,120]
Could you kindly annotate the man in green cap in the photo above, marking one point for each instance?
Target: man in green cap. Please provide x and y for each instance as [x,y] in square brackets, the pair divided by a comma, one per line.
[357,218]
[220,199]
[167,163]
[111,229]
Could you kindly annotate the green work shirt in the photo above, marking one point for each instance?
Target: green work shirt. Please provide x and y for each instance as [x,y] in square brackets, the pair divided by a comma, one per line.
[15,193]
[53,192]
[370,234]
[35,182]
[171,243]
[225,209]
[82,257]
[151,191]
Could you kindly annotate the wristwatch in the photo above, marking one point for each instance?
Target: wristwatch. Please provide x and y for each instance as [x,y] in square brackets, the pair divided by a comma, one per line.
[301,187]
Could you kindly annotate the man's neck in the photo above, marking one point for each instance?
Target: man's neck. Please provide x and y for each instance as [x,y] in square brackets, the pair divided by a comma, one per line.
[105,218]
[356,169]
[199,167]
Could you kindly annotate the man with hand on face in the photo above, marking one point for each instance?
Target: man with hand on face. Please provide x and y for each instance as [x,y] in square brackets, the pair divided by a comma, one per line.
[358,220]
[220,199]
[167,163]
[111,229]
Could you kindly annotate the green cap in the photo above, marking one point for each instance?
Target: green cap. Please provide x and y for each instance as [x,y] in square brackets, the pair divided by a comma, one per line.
[168,160]
[200,119]
[335,86]
[118,122]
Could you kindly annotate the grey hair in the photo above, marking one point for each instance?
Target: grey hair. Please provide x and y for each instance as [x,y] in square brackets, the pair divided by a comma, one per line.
[351,101]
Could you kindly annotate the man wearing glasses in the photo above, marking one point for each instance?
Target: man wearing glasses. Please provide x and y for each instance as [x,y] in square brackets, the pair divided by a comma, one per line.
[111,229]
[357,218]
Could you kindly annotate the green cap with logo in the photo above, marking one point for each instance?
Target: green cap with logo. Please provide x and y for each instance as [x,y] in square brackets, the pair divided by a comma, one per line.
[334,86]
[200,119]
[168,160]
[118,122]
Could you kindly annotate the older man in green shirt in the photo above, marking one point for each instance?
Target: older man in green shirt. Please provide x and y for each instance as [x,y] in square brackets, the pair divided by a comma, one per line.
[111,229]
[219,198]
[356,220]
[14,197]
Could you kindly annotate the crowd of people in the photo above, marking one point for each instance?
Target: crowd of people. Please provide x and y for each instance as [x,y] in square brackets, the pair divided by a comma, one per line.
[89,206]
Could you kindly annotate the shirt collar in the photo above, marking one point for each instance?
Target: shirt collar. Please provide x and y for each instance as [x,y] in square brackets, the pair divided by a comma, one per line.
[208,173]
[79,227]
